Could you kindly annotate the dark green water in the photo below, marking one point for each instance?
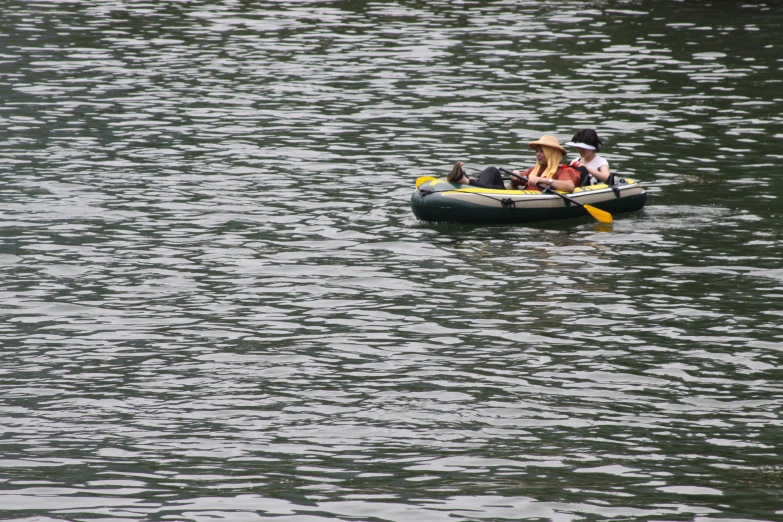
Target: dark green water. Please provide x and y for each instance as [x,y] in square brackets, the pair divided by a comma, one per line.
[217,304]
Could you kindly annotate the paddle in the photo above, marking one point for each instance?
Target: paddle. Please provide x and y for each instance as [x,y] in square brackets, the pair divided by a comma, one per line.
[597,213]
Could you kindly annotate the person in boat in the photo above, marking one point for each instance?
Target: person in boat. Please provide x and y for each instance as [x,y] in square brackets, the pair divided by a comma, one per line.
[593,168]
[547,172]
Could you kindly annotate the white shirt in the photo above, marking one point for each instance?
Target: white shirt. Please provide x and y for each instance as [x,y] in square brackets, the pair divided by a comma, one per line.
[596,163]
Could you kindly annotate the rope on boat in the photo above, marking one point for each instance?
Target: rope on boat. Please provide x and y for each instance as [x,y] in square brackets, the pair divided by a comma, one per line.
[505,202]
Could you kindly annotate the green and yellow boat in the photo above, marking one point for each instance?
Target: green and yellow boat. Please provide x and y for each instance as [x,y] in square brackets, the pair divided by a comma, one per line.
[440,200]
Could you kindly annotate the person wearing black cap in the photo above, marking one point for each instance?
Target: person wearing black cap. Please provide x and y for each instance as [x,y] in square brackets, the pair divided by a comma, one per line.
[594,168]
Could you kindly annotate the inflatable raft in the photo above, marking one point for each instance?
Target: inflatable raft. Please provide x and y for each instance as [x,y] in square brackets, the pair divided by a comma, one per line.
[440,200]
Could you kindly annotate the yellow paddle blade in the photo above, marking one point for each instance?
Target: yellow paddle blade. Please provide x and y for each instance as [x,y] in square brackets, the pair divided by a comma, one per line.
[600,215]
[424,179]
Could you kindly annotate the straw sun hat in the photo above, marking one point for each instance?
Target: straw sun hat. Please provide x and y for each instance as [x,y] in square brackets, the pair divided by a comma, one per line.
[547,141]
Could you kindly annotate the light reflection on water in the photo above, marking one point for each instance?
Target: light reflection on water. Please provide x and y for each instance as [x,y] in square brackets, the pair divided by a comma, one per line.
[217,303]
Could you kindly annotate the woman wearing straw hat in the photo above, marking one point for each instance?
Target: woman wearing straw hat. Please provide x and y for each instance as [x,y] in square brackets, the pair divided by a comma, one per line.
[547,172]
[596,168]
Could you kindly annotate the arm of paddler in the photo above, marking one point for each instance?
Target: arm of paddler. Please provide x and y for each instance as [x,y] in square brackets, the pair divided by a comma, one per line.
[601,174]
[561,184]
[565,179]
[516,182]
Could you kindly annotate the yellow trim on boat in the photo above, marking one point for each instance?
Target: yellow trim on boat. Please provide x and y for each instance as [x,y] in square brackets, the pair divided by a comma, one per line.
[475,190]
[479,190]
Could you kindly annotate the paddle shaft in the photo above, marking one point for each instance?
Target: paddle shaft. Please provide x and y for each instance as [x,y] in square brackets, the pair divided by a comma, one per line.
[545,188]
[523,178]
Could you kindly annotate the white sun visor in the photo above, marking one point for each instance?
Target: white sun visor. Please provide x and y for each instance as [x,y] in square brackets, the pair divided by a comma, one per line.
[580,145]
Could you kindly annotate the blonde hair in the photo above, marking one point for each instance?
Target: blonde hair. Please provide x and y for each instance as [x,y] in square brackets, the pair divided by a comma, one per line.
[553,158]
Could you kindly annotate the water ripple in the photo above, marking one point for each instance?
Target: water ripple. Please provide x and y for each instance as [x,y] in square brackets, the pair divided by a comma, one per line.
[216,301]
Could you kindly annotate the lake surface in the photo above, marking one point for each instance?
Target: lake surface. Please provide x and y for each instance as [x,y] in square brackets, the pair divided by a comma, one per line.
[217,304]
